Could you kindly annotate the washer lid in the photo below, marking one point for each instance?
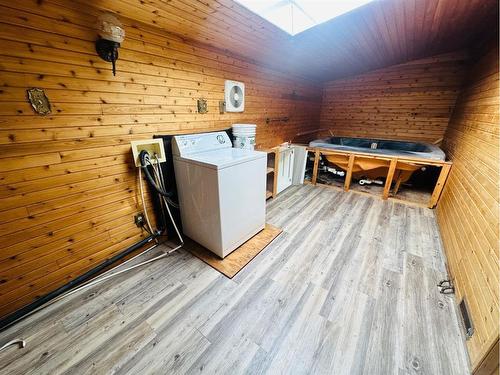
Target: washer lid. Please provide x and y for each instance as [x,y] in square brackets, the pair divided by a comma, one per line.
[220,159]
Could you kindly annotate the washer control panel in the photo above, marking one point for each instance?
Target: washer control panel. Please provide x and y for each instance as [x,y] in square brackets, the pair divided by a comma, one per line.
[189,144]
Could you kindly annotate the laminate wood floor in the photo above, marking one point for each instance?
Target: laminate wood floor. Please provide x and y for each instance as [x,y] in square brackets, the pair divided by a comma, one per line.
[349,287]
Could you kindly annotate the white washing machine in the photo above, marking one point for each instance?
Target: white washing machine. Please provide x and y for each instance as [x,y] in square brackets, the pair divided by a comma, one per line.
[222,190]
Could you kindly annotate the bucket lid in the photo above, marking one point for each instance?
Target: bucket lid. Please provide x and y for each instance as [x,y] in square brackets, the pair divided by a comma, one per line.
[244,126]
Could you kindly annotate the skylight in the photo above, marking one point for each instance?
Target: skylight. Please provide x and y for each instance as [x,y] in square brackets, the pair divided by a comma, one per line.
[295,16]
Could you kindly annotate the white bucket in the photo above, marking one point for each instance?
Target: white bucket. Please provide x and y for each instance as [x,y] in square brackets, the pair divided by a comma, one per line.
[244,136]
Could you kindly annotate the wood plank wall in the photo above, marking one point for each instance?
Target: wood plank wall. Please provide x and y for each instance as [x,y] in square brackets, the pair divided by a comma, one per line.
[468,211]
[411,101]
[68,190]
[489,364]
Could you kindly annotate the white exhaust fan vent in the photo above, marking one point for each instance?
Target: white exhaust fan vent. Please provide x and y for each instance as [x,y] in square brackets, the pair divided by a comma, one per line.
[234,95]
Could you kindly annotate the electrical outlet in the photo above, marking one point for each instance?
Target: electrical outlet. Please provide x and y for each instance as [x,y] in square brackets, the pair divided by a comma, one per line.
[152,146]
[139,220]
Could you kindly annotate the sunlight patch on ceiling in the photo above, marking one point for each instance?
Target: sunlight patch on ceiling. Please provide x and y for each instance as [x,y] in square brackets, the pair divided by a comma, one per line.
[295,16]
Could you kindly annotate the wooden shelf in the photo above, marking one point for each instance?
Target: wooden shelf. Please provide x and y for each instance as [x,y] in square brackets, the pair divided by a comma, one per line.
[271,171]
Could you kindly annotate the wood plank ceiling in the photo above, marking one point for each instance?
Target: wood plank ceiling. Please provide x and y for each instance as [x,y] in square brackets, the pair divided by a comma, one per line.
[379,34]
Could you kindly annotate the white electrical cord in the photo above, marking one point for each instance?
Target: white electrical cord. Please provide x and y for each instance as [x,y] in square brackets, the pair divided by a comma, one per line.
[83,286]
[108,275]
[173,222]
[105,277]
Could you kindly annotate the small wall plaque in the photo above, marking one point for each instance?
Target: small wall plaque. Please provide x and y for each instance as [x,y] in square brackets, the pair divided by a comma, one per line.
[39,101]
[222,106]
[202,106]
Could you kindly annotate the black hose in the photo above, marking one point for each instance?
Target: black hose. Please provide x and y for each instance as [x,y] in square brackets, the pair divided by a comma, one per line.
[143,155]
[24,311]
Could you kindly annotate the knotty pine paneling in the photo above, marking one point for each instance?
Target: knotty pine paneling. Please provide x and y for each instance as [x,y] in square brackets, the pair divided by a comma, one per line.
[412,101]
[489,365]
[68,188]
[468,211]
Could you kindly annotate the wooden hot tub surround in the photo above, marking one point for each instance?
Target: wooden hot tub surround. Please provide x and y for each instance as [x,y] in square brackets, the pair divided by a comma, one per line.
[397,165]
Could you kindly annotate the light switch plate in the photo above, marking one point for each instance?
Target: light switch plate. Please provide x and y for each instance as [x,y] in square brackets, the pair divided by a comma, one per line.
[152,146]
[222,106]
[202,106]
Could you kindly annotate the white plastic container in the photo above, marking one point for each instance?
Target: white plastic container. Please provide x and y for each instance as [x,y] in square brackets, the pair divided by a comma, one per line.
[244,136]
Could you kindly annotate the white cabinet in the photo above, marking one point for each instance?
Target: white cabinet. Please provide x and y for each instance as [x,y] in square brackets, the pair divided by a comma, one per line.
[285,169]
[299,164]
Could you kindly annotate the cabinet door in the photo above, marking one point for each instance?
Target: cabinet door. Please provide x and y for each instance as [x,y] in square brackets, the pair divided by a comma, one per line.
[285,169]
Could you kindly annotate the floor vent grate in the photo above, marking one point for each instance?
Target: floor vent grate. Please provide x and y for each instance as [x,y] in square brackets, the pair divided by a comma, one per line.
[464,310]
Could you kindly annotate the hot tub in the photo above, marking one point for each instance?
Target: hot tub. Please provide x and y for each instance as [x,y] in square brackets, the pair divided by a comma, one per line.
[381,146]
[373,168]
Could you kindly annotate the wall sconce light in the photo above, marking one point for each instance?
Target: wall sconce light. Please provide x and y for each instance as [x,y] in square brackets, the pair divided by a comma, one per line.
[111,34]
